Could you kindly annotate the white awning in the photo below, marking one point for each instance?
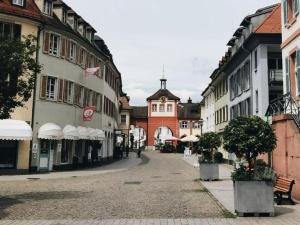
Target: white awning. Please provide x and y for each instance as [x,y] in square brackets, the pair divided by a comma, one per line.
[70,132]
[100,135]
[169,138]
[15,130]
[50,131]
[83,133]
[92,133]
[190,138]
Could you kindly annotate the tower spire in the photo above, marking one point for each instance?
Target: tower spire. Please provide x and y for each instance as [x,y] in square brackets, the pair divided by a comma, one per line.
[163,80]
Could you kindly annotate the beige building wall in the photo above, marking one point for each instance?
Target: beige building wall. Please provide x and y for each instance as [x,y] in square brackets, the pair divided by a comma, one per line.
[28,27]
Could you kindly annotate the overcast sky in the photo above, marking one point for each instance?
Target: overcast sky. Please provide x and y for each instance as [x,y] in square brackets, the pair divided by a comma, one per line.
[187,36]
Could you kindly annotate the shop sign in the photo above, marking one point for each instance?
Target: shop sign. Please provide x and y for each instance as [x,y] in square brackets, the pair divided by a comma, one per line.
[88,113]
[35,148]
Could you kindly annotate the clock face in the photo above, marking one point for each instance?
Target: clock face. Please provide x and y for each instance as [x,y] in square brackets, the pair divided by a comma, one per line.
[163,99]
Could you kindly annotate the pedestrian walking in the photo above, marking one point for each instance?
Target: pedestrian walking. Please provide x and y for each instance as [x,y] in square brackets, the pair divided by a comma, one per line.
[127,151]
[139,153]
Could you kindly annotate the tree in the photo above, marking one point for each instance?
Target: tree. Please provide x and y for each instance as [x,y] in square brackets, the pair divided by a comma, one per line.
[248,137]
[18,69]
[209,143]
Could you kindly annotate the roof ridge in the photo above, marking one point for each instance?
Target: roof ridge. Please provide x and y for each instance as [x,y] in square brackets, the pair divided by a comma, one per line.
[268,17]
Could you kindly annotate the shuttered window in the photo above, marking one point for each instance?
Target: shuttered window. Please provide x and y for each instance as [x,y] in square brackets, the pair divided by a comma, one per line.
[60,90]
[63,48]
[51,88]
[65,91]
[43,87]
[46,42]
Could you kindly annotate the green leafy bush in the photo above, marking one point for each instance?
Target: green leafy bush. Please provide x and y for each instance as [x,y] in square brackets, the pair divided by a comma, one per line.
[219,157]
[248,137]
[208,144]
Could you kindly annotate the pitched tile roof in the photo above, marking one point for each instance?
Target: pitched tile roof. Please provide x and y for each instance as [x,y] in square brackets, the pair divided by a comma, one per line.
[139,112]
[163,92]
[189,111]
[272,23]
[30,10]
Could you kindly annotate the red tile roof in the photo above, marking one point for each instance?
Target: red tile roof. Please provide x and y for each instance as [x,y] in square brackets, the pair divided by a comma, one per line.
[272,24]
[30,11]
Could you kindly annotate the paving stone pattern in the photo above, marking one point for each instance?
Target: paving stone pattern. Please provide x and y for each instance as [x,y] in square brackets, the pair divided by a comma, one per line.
[162,187]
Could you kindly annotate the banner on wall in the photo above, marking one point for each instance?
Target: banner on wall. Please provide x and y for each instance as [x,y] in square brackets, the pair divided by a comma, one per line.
[88,113]
[91,71]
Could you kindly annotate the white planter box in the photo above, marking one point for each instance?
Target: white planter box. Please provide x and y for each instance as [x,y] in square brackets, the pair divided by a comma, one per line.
[253,197]
[209,171]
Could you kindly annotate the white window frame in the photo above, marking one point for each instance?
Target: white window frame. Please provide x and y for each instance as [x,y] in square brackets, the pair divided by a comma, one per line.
[70,92]
[122,118]
[184,124]
[52,95]
[72,51]
[169,108]
[297,68]
[18,2]
[196,125]
[48,7]
[295,4]
[161,107]
[154,108]
[55,40]
[256,101]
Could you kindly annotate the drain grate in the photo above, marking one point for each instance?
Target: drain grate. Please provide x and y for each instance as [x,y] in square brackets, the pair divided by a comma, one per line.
[132,182]
[175,173]
[33,178]
[156,177]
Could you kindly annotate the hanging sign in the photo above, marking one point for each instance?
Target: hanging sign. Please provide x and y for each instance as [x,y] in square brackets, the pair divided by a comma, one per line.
[88,113]
[91,71]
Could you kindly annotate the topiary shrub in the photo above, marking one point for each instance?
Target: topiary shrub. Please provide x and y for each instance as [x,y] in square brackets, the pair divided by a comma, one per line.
[219,157]
[248,137]
[209,143]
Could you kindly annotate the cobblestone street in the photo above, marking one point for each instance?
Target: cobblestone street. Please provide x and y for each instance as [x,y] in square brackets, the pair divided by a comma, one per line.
[162,186]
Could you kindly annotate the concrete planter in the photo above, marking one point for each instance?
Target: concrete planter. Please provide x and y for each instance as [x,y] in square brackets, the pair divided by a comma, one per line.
[255,197]
[209,171]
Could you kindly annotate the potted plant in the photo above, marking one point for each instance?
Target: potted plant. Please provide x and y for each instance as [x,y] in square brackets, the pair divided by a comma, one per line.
[208,163]
[247,138]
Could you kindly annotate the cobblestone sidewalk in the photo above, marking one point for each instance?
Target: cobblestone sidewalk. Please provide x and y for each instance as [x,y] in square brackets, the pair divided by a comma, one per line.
[208,221]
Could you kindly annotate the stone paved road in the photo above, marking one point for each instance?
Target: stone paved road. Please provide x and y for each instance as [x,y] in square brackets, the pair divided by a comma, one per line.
[163,187]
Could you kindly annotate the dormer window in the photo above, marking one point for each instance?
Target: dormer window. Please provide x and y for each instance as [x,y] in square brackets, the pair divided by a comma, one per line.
[19,2]
[64,16]
[48,6]
[75,23]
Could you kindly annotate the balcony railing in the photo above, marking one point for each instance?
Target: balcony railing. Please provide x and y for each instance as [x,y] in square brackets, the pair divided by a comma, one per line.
[275,75]
[285,105]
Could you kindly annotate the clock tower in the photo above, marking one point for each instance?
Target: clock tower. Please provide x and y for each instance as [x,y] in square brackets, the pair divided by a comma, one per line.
[162,114]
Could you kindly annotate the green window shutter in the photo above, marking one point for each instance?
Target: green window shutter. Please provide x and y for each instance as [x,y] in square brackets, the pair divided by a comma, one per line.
[287,74]
[285,12]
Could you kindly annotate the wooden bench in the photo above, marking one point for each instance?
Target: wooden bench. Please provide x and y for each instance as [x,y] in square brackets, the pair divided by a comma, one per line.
[283,186]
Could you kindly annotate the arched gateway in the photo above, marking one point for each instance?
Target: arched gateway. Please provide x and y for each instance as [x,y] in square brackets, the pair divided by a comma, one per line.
[165,113]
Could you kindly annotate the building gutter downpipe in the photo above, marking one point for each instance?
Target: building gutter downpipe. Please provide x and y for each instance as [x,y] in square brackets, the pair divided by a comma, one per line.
[40,28]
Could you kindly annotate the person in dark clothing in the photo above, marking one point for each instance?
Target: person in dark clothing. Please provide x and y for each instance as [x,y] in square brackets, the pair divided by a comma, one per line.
[139,153]
[127,151]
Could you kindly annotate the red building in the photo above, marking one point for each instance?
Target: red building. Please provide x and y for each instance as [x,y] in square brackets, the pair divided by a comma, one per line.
[165,115]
